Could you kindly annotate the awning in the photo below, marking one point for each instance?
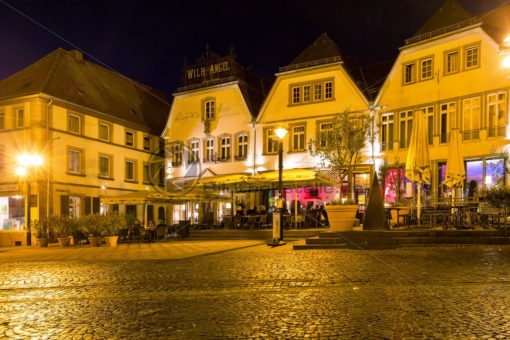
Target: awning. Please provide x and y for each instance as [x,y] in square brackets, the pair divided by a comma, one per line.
[143,197]
[294,177]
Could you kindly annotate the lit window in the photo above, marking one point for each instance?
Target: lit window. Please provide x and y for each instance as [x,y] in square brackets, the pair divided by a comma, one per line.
[451,62]
[74,161]
[73,123]
[446,121]
[242,146]
[409,73]
[177,154]
[194,151]
[298,138]
[105,166]
[426,69]
[104,132]
[472,55]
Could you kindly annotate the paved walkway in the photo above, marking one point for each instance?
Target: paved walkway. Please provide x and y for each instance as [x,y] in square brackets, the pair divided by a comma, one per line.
[241,290]
[129,251]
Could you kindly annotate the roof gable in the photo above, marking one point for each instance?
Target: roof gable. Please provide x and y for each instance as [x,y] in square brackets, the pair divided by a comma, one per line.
[322,51]
[450,13]
[67,76]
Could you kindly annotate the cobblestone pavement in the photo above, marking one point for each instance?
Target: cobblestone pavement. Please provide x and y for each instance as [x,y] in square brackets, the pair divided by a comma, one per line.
[452,292]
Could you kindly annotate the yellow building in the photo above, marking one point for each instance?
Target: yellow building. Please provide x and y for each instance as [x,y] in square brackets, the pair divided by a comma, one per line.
[452,70]
[305,97]
[210,131]
[95,130]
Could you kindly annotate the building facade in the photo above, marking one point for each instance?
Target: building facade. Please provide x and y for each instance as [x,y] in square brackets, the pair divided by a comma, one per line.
[452,70]
[96,132]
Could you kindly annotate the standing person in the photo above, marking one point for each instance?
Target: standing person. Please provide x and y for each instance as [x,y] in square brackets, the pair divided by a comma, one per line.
[324,216]
[150,229]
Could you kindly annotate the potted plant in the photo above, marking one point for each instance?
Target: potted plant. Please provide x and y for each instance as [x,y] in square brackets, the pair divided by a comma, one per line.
[113,223]
[92,225]
[340,148]
[61,228]
[41,232]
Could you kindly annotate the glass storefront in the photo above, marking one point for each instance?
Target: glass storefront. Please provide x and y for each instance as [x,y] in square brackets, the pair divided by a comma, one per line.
[12,212]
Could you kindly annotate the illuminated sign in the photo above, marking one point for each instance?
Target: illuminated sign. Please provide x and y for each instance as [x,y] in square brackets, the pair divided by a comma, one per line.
[207,71]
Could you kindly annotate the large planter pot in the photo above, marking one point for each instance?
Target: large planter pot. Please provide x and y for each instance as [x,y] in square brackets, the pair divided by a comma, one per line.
[42,242]
[95,241]
[63,241]
[342,217]
[111,241]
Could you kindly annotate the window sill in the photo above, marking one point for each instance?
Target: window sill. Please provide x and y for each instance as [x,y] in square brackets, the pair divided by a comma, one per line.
[297,151]
[75,174]
[131,181]
[106,178]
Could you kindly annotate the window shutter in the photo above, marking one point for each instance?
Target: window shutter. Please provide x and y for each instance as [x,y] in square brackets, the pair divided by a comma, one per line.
[64,205]
[87,205]
[95,205]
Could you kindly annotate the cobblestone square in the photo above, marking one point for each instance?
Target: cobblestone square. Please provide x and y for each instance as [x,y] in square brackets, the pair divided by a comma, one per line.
[249,290]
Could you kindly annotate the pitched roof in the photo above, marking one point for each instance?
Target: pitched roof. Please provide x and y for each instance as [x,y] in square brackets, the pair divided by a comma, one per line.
[374,76]
[66,75]
[322,51]
[497,23]
[450,13]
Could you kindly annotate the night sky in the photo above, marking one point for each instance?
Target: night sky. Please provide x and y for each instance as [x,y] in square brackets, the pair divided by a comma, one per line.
[148,40]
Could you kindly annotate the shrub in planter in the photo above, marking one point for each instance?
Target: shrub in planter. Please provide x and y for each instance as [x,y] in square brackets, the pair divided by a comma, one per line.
[113,223]
[41,232]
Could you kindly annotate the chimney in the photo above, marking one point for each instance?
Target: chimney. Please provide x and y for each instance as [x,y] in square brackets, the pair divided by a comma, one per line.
[78,55]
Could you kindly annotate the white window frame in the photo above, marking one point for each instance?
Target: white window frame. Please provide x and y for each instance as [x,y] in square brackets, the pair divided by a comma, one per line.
[426,68]
[325,133]
[194,151]
[225,148]
[74,160]
[451,62]
[388,131]
[177,154]
[317,92]
[108,173]
[471,118]
[209,150]
[272,141]
[406,126]
[307,93]
[328,90]
[496,113]
[409,73]
[298,138]
[77,119]
[471,57]
[296,94]
[242,146]
[108,131]
[209,109]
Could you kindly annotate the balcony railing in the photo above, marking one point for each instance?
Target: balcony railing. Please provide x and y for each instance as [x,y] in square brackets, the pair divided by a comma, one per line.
[470,134]
[387,145]
[442,30]
[496,131]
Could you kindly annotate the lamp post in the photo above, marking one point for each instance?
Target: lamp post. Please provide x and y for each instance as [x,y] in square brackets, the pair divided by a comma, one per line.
[25,162]
[278,232]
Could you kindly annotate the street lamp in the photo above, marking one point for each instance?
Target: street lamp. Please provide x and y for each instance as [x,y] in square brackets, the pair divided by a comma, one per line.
[278,223]
[25,162]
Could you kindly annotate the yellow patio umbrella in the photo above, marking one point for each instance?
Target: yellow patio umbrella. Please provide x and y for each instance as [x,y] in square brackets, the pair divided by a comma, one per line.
[455,170]
[417,162]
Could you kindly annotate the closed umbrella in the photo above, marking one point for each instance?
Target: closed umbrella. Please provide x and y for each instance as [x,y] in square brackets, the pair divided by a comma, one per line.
[417,162]
[455,171]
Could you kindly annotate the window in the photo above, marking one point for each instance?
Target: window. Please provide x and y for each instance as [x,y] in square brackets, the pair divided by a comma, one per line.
[496,111]
[312,91]
[2,120]
[147,143]
[242,146]
[74,161]
[74,206]
[471,117]
[426,69]
[429,119]
[209,109]
[146,173]
[328,90]
[296,95]
[410,73]
[74,123]
[271,142]
[451,62]
[209,150]
[446,121]
[387,132]
[406,126]
[130,138]
[471,57]
[225,148]
[2,158]
[194,150]
[298,138]
[176,154]
[104,131]
[105,162]
[325,134]
[20,118]
[130,170]
[317,92]
[306,93]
